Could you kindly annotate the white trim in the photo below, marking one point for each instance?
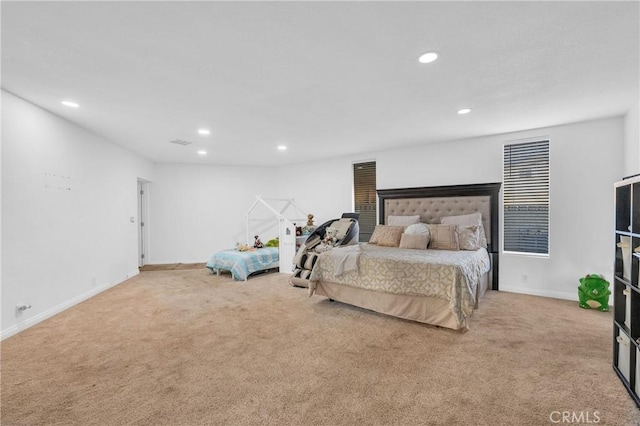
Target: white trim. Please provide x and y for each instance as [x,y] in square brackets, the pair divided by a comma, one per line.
[543,293]
[527,140]
[143,232]
[518,142]
[526,254]
[369,160]
[29,322]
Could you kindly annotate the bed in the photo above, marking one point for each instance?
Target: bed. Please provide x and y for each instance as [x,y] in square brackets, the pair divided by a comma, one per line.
[242,264]
[438,287]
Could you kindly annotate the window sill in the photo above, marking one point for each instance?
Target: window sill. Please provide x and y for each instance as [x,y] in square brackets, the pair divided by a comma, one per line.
[522,254]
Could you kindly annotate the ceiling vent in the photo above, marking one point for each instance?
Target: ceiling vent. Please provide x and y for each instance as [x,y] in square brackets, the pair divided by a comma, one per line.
[180,142]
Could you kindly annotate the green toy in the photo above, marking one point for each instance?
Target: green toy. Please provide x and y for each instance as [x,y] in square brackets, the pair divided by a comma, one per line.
[594,288]
[275,242]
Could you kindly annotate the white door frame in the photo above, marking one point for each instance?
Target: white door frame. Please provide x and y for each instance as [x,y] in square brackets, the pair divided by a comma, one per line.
[143,219]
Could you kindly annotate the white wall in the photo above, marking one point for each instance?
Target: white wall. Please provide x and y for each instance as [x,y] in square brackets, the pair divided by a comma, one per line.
[59,245]
[586,159]
[323,188]
[632,141]
[197,210]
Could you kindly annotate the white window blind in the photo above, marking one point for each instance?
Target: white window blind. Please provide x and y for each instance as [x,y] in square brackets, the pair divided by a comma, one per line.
[526,197]
[365,198]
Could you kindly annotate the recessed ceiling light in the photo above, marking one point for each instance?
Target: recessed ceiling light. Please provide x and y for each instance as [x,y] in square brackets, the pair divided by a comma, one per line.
[70,104]
[282,147]
[428,57]
[204,132]
[202,152]
[464,111]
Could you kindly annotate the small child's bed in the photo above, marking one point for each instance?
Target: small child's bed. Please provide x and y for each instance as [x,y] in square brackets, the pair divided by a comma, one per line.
[241,264]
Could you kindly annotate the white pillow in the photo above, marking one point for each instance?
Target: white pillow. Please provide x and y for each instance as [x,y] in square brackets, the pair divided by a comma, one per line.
[463,219]
[421,229]
[417,228]
[402,220]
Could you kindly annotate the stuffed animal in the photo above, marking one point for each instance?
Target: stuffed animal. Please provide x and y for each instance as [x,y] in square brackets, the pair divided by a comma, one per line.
[594,288]
[274,242]
[328,241]
[330,235]
[309,228]
[258,244]
[242,247]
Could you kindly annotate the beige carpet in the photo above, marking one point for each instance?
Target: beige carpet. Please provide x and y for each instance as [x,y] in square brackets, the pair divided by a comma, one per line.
[171,266]
[184,347]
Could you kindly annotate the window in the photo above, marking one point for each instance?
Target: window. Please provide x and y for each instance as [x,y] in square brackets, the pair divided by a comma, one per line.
[526,197]
[364,197]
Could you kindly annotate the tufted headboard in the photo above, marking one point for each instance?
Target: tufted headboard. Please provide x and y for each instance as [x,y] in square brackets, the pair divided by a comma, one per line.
[433,203]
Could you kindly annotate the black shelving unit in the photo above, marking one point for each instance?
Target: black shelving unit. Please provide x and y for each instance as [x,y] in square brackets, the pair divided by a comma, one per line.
[626,293]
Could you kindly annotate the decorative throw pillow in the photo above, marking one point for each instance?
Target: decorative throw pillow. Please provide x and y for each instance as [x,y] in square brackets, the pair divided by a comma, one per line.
[386,235]
[375,235]
[414,241]
[469,237]
[402,220]
[465,220]
[417,228]
[443,237]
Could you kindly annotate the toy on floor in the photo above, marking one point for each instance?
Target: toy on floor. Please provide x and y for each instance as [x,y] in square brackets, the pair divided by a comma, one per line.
[595,289]
[257,243]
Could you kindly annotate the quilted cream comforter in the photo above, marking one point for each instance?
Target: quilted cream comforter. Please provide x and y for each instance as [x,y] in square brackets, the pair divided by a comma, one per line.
[444,274]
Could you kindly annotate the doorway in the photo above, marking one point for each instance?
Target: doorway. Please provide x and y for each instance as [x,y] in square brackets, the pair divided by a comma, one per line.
[143,211]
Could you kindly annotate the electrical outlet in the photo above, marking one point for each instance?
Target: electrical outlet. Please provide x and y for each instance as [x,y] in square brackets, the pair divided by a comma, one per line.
[525,278]
[20,308]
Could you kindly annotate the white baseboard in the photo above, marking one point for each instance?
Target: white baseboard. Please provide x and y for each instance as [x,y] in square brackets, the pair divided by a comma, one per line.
[543,293]
[29,322]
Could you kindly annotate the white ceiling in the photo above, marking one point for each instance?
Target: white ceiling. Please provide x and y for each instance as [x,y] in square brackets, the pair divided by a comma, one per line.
[325,78]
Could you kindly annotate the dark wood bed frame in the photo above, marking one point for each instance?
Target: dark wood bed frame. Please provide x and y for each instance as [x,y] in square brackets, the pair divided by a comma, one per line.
[484,189]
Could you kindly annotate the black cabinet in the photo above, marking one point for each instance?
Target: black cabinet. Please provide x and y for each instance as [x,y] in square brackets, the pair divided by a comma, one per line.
[626,293]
